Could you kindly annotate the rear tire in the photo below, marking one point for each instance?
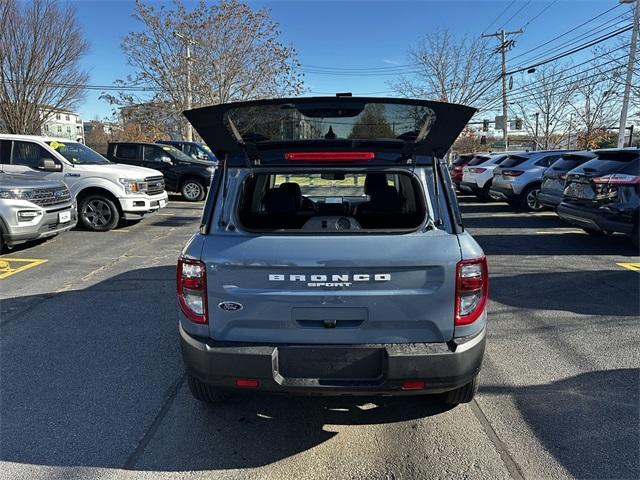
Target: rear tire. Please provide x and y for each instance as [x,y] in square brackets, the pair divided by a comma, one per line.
[464,394]
[205,393]
[483,194]
[193,190]
[98,213]
[530,202]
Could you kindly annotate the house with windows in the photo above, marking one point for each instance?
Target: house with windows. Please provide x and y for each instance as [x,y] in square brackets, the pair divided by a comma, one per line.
[62,123]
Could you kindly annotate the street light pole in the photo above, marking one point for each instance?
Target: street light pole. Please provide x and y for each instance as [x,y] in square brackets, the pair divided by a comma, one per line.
[188,42]
[630,65]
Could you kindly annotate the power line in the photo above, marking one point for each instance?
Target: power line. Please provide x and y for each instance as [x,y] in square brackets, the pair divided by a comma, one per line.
[498,17]
[540,13]
[517,12]
[591,33]
[567,88]
[574,50]
[568,31]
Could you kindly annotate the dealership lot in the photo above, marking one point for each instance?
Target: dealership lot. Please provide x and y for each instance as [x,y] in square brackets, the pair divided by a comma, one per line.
[93,382]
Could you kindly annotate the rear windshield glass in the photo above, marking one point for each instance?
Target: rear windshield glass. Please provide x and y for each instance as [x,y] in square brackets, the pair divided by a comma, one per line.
[331,202]
[462,160]
[513,161]
[479,160]
[569,162]
[618,155]
[309,121]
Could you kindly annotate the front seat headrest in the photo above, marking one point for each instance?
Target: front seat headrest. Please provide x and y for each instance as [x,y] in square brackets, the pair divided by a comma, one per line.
[279,201]
[386,199]
[293,189]
[374,181]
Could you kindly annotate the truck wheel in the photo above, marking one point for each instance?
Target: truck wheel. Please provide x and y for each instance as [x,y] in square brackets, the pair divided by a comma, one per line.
[530,200]
[193,190]
[464,394]
[98,213]
[205,393]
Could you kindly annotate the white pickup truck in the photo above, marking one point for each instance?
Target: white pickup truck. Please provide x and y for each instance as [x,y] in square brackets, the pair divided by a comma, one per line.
[105,192]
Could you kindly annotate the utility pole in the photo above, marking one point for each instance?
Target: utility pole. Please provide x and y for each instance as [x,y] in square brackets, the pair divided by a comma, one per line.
[188,42]
[630,65]
[504,46]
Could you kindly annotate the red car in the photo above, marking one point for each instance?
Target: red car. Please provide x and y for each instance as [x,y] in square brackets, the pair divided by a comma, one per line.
[455,169]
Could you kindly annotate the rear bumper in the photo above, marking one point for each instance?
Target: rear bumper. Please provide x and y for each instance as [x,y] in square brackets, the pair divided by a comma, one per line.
[594,218]
[470,187]
[292,368]
[503,193]
[549,199]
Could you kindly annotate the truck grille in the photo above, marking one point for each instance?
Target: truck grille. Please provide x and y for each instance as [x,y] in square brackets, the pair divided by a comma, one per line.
[48,197]
[155,185]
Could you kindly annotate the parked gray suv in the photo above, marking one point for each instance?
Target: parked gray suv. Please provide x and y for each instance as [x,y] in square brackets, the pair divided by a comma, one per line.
[32,209]
[518,179]
[331,258]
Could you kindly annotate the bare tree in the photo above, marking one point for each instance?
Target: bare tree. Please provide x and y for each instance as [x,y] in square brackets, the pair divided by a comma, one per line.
[548,94]
[235,51]
[449,69]
[40,50]
[596,103]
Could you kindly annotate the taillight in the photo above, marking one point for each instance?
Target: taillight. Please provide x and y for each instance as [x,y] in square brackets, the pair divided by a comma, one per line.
[512,173]
[477,170]
[457,169]
[192,289]
[329,156]
[472,288]
[618,179]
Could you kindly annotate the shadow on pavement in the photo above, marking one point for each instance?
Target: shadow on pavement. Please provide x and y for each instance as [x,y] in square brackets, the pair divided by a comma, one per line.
[249,431]
[587,292]
[589,423]
[566,244]
[85,373]
[515,221]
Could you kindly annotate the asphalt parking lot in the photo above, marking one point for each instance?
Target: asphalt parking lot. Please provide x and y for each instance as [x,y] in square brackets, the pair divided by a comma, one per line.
[93,386]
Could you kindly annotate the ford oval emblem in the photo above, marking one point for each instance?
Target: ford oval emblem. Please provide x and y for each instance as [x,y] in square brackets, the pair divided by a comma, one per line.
[230,306]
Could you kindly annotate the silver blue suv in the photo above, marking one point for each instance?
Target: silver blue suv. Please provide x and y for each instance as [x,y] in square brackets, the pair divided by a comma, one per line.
[331,258]
[518,179]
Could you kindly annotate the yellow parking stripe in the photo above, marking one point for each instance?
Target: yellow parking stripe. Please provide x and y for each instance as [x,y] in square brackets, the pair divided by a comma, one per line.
[11,266]
[630,266]
[121,230]
[560,232]
[167,214]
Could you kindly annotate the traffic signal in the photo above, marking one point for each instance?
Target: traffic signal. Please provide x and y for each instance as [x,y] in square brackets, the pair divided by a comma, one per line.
[483,140]
[518,124]
[485,125]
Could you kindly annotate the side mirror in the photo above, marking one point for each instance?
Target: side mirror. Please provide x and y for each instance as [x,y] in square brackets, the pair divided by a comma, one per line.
[166,160]
[49,165]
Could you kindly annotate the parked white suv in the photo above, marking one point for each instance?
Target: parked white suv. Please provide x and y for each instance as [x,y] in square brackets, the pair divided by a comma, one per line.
[105,192]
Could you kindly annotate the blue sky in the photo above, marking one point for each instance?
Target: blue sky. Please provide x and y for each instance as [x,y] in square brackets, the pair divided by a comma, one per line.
[355,34]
